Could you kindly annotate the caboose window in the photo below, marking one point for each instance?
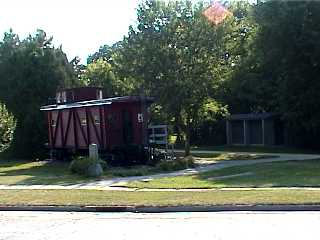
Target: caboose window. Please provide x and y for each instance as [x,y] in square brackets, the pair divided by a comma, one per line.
[83,121]
[53,123]
[99,94]
[96,120]
[64,96]
[58,97]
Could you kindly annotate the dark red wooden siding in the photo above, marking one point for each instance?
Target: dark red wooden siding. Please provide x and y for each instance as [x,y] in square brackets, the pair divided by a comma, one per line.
[76,128]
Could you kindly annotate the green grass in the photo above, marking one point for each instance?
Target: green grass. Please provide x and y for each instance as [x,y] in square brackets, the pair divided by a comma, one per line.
[140,170]
[14,172]
[119,198]
[231,156]
[17,172]
[144,170]
[276,174]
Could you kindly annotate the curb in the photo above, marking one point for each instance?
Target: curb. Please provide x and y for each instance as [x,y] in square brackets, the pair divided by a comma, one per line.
[164,209]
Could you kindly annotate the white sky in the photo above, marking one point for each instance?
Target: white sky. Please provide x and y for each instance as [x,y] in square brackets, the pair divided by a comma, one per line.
[81,26]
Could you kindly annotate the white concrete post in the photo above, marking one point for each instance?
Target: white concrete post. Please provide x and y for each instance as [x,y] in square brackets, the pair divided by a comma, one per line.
[93,151]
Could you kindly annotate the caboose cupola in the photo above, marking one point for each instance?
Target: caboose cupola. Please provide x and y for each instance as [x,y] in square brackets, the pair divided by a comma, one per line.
[71,95]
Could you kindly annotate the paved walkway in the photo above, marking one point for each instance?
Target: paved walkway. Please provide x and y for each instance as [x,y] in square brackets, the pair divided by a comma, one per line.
[107,184]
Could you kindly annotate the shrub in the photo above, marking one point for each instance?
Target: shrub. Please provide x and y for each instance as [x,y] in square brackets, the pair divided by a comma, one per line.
[86,166]
[176,165]
[103,164]
[7,127]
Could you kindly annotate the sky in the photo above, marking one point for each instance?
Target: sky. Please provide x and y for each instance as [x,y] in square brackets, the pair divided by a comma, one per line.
[80,26]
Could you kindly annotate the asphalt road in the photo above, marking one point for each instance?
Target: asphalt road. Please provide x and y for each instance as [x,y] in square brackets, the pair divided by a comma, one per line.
[196,226]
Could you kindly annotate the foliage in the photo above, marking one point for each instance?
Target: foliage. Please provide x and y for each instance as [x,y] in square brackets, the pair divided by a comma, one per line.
[263,58]
[103,164]
[30,72]
[137,170]
[178,164]
[280,70]
[7,127]
[174,54]
[101,74]
[81,165]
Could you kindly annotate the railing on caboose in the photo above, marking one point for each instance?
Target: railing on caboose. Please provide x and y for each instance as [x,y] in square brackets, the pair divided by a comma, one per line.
[158,136]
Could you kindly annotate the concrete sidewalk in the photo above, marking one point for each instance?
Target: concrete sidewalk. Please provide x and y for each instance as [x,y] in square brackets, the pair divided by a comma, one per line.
[107,184]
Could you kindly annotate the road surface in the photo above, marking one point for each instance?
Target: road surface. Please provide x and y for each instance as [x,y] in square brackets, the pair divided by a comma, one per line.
[196,226]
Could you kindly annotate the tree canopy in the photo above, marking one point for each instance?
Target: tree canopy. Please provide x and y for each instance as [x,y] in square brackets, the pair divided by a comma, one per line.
[262,58]
[30,71]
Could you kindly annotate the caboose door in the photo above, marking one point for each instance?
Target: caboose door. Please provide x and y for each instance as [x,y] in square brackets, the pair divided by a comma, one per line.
[127,127]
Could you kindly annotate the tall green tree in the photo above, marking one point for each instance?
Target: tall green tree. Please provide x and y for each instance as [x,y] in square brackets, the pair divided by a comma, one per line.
[280,72]
[100,73]
[174,54]
[30,72]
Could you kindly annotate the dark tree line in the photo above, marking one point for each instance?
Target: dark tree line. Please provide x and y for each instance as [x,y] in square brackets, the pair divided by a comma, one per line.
[281,73]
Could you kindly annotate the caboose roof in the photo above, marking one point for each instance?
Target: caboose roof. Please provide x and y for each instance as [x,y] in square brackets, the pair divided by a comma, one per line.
[252,116]
[90,103]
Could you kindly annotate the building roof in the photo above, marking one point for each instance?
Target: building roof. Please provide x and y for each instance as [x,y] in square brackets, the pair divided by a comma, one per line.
[252,116]
[100,102]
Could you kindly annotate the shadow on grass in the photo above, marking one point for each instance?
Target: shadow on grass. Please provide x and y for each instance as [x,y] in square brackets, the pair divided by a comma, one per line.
[274,174]
[38,173]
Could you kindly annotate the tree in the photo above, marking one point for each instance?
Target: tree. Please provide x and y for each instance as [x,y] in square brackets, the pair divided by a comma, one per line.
[30,72]
[105,53]
[280,71]
[175,54]
[101,74]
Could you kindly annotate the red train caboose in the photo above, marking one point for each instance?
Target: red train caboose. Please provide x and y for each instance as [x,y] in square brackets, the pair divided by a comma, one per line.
[81,117]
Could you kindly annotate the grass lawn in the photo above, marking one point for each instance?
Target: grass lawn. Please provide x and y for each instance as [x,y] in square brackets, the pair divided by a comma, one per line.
[13,172]
[118,198]
[230,156]
[276,174]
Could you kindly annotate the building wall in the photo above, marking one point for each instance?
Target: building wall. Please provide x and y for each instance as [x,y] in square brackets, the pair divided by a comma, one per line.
[253,132]
[269,132]
[119,123]
[237,136]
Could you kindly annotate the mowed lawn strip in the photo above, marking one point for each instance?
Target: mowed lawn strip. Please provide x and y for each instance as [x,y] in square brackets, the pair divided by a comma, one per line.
[274,174]
[120,198]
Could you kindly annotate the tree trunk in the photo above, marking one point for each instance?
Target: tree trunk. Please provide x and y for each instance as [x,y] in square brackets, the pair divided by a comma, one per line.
[187,142]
